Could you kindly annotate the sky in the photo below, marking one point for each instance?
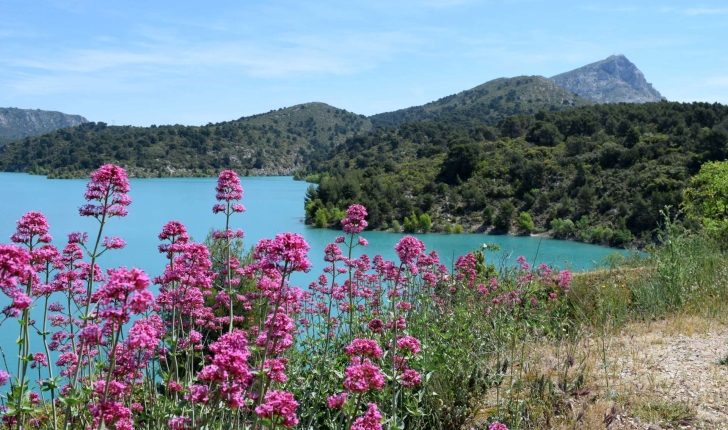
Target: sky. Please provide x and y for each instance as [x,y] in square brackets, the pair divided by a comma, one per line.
[194,62]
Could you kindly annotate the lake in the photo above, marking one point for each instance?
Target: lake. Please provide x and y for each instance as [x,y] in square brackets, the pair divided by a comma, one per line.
[274,205]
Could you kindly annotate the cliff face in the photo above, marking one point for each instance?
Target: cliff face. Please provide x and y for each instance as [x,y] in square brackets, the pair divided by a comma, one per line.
[613,80]
[19,123]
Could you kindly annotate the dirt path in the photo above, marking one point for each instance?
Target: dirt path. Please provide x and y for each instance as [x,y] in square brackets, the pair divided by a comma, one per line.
[671,363]
[651,376]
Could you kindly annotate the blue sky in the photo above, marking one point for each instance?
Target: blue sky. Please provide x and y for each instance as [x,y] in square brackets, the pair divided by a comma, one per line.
[194,62]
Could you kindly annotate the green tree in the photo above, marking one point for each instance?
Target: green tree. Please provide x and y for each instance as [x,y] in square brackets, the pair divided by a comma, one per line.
[505,216]
[462,158]
[544,134]
[411,224]
[525,223]
[425,223]
[706,200]
[320,219]
[488,215]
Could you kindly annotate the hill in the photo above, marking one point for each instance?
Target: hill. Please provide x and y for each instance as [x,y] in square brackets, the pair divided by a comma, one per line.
[19,123]
[613,80]
[598,173]
[488,103]
[275,143]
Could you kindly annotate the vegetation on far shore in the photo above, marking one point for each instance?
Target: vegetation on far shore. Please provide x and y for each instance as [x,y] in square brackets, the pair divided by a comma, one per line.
[597,174]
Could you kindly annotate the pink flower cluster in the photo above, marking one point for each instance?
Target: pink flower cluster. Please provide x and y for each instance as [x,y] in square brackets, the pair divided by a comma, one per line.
[228,187]
[354,222]
[15,268]
[29,226]
[280,407]
[108,187]
[362,376]
[227,375]
[371,420]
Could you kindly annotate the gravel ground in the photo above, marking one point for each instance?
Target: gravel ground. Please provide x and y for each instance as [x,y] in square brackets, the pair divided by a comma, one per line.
[671,364]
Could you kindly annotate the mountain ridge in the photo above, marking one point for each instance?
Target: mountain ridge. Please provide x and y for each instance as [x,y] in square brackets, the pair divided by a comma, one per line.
[487,103]
[17,123]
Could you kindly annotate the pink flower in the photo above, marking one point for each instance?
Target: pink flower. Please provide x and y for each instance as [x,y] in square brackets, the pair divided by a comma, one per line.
[276,369]
[408,249]
[113,242]
[77,237]
[362,376]
[4,377]
[284,254]
[279,404]
[228,234]
[108,187]
[39,359]
[29,226]
[21,301]
[354,222]
[371,420]
[497,426]
[410,378]
[174,231]
[179,423]
[337,401]
[112,414]
[409,343]
[364,347]
[404,306]
[563,279]
[376,325]
[228,186]
[174,387]
[228,371]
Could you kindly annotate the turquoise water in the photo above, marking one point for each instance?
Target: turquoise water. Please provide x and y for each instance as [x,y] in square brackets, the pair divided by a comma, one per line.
[274,205]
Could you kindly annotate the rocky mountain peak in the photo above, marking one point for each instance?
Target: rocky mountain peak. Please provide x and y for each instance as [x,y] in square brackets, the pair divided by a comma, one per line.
[613,80]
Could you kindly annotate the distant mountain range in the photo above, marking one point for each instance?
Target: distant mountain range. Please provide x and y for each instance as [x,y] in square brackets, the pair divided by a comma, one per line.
[286,140]
[279,142]
[19,123]
[613,80]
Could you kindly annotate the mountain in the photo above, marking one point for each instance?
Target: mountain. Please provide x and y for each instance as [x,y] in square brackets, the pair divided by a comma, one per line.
[279,142]
[19,123]
[488,103]
[613,80]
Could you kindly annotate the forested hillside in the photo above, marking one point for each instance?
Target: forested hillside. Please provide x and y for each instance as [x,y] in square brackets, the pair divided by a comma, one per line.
[488,103]
[276,143]
[597,173]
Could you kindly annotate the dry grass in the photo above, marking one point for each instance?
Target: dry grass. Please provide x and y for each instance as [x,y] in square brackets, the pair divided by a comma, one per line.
[660,374]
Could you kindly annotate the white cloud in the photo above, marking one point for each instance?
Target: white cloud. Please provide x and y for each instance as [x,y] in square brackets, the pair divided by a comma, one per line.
[155,61]
[706,11]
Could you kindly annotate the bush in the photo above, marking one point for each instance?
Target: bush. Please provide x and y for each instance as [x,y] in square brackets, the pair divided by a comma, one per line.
[525,223]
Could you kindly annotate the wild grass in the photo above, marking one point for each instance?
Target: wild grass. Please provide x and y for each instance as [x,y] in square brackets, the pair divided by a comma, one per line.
[600,369]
